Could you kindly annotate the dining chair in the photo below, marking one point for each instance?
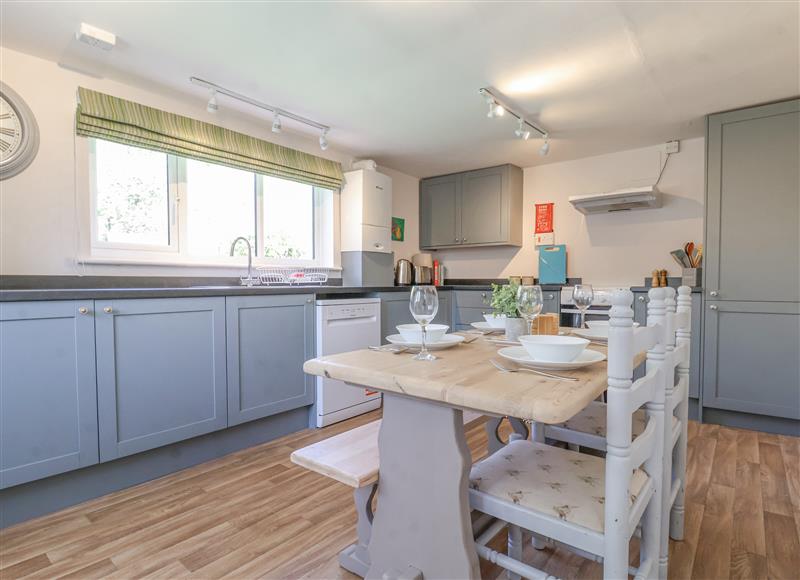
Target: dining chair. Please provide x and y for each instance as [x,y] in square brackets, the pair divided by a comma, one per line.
[591,504]
[588,428]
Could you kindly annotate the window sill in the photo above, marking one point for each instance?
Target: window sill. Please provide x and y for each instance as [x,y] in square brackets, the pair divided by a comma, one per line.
[114,261]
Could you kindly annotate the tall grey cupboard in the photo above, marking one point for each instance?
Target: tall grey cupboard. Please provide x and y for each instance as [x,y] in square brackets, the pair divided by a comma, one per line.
[752,267]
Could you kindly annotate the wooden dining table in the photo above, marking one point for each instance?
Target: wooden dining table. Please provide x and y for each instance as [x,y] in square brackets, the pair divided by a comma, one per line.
[422,527]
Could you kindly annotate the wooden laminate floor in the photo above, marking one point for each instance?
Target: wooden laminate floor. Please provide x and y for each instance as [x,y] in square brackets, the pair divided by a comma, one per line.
[254,514]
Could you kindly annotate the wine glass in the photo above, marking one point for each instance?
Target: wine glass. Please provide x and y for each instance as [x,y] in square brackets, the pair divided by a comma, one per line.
[583,296]
[424,303]
[529,303]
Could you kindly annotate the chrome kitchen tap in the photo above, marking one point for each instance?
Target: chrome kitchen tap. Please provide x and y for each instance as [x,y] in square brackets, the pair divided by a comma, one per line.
[249,280]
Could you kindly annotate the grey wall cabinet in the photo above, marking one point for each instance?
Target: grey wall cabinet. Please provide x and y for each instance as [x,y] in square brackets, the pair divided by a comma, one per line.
[752,286]
[440,211]
[160,372]
[394,311]
[474,208]
[695,356]
[48,415]
[269,339]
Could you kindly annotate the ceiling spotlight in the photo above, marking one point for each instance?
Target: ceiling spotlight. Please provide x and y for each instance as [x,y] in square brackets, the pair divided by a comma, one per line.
[545,148]
[212,106]
[323,140]
[276,123]
[521,132]
[495,110]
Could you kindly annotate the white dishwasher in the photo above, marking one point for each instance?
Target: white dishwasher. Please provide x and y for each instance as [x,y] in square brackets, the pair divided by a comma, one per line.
[343,325]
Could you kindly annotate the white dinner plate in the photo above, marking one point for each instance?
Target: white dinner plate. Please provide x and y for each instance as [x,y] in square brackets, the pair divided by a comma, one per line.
[596,334]
[519,355]
[447,341]
[486,327]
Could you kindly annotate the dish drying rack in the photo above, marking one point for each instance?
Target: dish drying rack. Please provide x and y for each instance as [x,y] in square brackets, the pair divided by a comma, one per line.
[291,276]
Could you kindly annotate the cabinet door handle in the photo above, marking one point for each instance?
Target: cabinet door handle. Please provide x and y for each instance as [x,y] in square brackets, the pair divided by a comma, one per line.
[550,296]
[641,298]
[378,187]
[714,293]
[712,307]
[464,240]
[108,310]
[83,310]
[455,240]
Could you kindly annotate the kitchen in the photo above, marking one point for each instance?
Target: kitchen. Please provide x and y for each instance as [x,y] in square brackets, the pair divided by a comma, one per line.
[176,399]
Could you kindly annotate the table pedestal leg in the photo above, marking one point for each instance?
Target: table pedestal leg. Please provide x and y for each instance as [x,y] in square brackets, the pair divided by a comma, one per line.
[423,516]
[355,557]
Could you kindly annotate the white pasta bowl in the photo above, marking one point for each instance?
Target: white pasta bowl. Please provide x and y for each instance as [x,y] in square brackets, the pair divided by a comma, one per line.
[495,320]
[553,348]
[413,332]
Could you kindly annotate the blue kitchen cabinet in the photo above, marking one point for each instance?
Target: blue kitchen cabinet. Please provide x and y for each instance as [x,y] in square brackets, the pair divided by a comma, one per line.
[269,338]
[551,303]
[48,402]
[160,372]
[470,306]
[395,310]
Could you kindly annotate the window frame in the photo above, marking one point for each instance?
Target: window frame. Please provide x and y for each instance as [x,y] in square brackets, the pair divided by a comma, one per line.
[173,244]
[323,228]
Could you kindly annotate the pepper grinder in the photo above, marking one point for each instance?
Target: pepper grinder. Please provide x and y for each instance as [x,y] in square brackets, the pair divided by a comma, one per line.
[663,279]
[655,281]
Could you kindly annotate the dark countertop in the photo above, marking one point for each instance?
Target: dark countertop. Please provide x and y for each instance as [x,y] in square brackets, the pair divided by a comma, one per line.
[117,293]
[23,288]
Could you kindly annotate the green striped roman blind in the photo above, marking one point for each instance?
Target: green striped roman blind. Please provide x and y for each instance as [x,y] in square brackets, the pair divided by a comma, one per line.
[106,117]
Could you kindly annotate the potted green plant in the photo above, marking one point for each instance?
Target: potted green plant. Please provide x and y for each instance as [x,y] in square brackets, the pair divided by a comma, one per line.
[504,303]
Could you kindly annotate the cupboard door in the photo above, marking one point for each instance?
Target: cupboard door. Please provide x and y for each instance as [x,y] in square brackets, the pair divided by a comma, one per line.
[394,311]
[160,372]
[753,205]
[439,212]
[483,216]
[750,360]
[48,399]
[269,339]
[552,302]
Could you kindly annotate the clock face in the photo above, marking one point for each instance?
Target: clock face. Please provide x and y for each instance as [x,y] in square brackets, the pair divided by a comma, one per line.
[11,130]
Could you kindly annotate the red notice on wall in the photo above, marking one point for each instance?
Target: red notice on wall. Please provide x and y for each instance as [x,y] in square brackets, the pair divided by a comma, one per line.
[544,218]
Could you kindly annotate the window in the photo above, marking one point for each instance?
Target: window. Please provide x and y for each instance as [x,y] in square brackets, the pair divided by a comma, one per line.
[145,203]
[132,200]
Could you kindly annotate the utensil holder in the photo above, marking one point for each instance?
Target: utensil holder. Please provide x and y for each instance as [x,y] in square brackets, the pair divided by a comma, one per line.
[692,277]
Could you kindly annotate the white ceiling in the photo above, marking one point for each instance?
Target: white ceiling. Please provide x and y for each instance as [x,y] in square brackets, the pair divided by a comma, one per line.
[398,81]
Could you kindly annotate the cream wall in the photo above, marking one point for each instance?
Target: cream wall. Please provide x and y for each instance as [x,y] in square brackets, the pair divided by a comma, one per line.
[405,204]
[44,216]
[606,249]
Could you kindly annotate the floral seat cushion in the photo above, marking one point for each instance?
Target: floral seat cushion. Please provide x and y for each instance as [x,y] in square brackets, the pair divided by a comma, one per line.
[593,420]
[554,481]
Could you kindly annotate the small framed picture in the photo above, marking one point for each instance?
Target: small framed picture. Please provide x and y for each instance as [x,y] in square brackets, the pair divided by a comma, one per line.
[398,229]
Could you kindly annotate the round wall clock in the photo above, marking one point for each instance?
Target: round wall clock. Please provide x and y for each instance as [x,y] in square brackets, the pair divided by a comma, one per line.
[19,134]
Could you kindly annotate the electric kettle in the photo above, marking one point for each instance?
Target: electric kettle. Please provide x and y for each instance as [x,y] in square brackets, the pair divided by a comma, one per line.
[403,273]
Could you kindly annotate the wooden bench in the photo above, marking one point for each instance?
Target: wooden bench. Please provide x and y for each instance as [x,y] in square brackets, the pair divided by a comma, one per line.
[352,458]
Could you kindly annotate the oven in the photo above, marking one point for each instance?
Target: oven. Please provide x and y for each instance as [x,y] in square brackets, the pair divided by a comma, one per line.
[599,310]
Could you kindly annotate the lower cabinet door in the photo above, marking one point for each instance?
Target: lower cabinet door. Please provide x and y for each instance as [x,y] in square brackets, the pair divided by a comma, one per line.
[394,311]
[48,403]
[160,372]
[750,357]
[269,339]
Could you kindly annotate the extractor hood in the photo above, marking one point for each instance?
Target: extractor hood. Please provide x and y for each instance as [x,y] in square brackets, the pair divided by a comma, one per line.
[643,197]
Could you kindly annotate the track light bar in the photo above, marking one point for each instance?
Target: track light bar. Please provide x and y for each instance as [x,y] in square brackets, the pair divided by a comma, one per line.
[496,104]
[245,99]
